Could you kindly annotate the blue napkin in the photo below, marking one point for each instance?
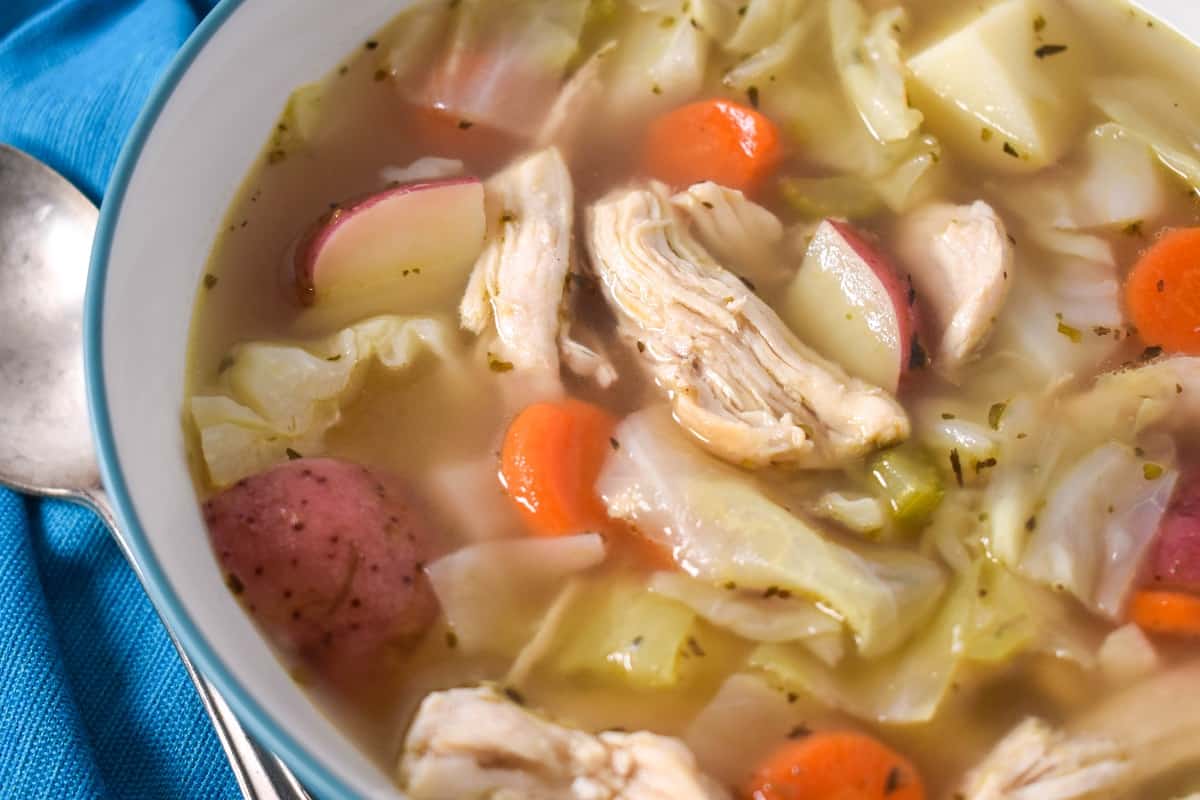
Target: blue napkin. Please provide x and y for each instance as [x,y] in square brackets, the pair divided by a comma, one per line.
[93,700]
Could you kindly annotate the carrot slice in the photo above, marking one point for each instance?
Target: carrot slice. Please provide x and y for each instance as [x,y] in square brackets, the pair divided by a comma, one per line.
[713,140]
[840,765]
[1163,292]
[1171,613]
[552,455]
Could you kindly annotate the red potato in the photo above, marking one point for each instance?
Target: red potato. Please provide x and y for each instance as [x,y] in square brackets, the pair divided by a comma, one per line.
[1175,560]
[849,301]
[404,250]
[327,556]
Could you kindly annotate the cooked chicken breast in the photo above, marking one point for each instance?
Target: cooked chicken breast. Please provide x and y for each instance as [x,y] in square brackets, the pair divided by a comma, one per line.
[741,233]
[519,282]
[1036,762]
[961,263]
[737,378]
[476,743]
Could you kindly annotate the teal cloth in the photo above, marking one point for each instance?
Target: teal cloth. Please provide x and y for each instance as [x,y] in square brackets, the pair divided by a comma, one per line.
[94,702]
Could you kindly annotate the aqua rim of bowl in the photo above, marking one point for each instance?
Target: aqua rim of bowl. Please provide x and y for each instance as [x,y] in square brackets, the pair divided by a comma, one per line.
[315,776]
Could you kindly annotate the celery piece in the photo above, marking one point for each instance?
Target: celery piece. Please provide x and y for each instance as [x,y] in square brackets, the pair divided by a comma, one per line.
[616,631]
[910,483]
[847,196]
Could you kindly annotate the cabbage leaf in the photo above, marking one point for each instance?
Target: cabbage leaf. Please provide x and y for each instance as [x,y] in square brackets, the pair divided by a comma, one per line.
[1097,523]
[276,400]
[494,594]
[721,526]
[867,56]
[1147,110]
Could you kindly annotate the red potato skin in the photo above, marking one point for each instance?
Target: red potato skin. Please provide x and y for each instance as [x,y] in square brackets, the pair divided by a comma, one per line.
[1175,560]
[901,292]
[328,558]
[308,250]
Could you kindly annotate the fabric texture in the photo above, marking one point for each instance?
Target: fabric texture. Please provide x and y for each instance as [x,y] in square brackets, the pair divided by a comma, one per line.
[94,702]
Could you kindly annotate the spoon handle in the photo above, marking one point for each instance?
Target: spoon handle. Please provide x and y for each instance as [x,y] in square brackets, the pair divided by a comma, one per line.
[260,774]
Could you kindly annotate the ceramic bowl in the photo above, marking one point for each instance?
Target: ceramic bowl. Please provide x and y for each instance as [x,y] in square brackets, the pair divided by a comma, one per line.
[183,164]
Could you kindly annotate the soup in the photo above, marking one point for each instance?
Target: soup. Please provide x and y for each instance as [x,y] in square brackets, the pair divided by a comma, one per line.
[701,399]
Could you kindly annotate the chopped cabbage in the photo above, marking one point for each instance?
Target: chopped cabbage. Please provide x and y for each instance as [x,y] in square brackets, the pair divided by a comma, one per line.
[494,594]
[1120,184]
[505,61]
[1147,110]
[716,17]
[1098,520]
[747,719]
[423,169]
[279,399]
[761,23]
[659,63]
[614,631]
[867,55]
[1162,395]
[721,526]
[859,513]
[756,617]
[761,68]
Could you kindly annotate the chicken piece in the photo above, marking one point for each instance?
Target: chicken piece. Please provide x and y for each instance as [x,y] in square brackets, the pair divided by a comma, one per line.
[1036,762]
[961,262]
[476,743]
[738,379]
[519,281]
[735,229]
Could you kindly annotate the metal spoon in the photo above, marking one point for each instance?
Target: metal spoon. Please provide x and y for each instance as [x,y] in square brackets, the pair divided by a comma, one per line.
[46,230]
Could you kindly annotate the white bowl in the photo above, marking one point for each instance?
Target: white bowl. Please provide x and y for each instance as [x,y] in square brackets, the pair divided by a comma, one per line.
[180,169]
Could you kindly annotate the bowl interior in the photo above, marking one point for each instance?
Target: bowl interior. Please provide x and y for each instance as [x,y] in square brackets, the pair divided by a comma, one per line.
[183,164]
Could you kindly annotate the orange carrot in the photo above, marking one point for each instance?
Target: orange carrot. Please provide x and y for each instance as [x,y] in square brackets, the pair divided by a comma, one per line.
[713,140]
[1163,292]
[552,455]
[836,766]
[1172,613]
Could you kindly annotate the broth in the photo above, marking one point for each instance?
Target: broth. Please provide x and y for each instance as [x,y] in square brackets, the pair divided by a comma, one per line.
[421,421]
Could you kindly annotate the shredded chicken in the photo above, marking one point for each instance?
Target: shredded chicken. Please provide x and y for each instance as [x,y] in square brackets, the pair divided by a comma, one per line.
[476,743]
[1036,762]
[735,229]
[519,281]
[738,379]
[961,263]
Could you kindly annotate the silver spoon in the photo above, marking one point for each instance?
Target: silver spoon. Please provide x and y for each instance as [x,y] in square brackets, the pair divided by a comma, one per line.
[46,229]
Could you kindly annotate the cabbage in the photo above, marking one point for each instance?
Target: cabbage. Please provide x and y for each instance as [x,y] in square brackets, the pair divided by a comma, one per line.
[1120,182]
[276,400]
[867,56]
[504,62]
[754,616]
[659,63]
[423,169]
[1098,520]
[857,512]
[761,23]
[718,18]
[721,526]
[761,68]
[745,721]
[494,594]
[1162,395]
[1148,111]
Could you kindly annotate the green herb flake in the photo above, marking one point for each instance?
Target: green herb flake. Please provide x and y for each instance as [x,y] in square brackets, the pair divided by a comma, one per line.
[1047,50]
[948,416]
[210,280]
[985,134]
[293,455]
[498,365]
[615,444]
[996,414]
[1074,334]
[752,96]
[465,125]
[226,363]
[1133,229]
[667,22]
[1039,24]
[956,466]
[514,695]
[1151,353]
[1152,472]
[276,156]
[656,89]
[800,731]
[234,583]
[380,75]
[1010,150]
[451,639]
[371,44]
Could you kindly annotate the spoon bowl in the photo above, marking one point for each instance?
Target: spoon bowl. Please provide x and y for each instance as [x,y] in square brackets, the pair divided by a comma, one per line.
[46,228]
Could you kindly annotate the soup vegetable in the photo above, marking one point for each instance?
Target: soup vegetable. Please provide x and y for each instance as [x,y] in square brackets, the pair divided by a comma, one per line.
[706,399]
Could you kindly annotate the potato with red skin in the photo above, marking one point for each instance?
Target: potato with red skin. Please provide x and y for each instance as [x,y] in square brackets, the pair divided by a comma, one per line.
[1175,561]
[328,557]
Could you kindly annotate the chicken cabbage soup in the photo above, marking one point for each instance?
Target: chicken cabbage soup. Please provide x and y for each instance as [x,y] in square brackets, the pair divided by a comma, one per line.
[694,399]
